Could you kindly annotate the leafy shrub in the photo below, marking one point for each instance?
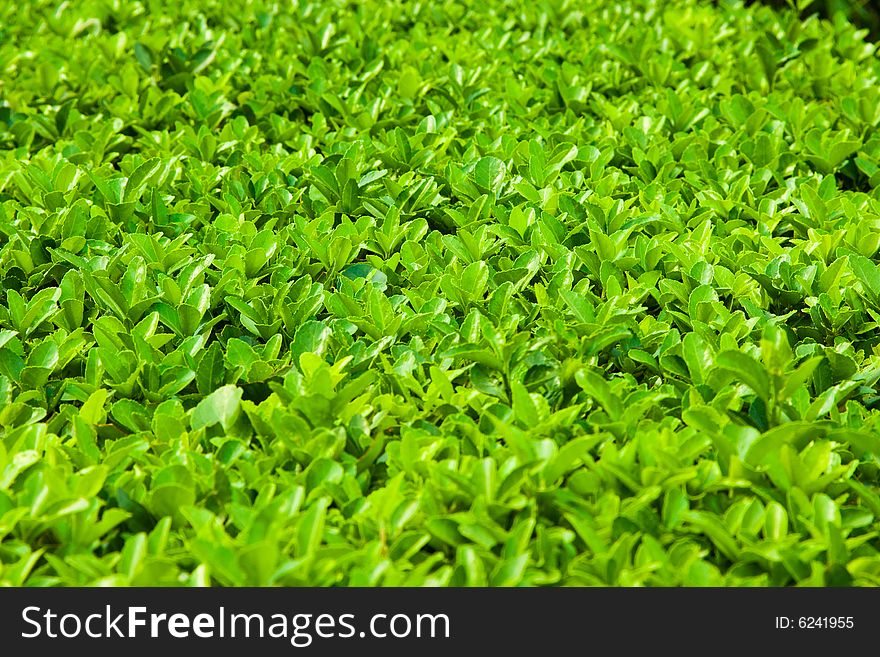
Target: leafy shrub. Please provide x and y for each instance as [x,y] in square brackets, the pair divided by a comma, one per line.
[450,293]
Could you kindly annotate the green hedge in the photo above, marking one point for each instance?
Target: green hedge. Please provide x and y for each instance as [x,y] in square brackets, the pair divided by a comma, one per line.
[510,292]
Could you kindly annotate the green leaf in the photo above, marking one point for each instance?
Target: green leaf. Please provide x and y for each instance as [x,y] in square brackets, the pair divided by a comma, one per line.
[489,174]
[746,369]
[139,179]
[211,370]
[221,406]
[869,276]
[310,532]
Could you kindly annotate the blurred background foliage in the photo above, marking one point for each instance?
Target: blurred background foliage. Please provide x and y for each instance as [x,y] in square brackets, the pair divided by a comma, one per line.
[862,13]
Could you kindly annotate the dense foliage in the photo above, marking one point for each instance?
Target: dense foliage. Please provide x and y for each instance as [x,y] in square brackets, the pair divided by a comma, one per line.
[510,292]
